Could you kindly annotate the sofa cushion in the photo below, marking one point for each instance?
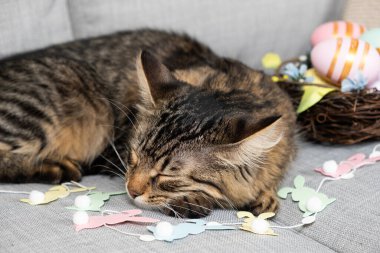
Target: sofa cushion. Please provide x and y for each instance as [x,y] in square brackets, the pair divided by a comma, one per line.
[243,29]
[27,25]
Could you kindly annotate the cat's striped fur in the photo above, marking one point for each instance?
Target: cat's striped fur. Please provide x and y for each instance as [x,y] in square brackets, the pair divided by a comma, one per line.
[195,132]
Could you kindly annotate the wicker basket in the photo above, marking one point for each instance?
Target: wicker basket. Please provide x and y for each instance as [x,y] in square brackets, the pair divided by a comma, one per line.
[339,118]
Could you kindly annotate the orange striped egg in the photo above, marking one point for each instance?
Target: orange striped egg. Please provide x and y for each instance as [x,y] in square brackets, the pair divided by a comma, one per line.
[336,59]
[336,29]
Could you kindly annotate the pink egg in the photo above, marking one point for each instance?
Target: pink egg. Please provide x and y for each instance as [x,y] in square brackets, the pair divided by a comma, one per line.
[336,29]
[336,59]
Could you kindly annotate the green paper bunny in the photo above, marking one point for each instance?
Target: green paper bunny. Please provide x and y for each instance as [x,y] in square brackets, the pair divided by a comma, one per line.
[97,200]
[305,195]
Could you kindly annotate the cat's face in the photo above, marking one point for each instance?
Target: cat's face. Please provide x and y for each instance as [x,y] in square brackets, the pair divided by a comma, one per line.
[191,144]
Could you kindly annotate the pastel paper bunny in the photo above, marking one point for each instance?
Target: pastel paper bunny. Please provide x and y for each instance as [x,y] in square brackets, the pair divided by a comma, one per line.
[344,168]
[97,200]
[191,227]
[310,201]
[257,225]
[57,192]
[101,220]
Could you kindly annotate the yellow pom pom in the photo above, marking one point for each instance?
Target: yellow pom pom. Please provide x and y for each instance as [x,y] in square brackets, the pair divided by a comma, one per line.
[271,61]
[275,79]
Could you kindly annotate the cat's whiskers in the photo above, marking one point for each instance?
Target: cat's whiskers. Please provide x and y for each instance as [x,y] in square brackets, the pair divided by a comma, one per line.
[117,167]
[229,202]
[118,155]
[202,214]
[203,207]
[126,107]
[125,113]
[108,169]
[176,214]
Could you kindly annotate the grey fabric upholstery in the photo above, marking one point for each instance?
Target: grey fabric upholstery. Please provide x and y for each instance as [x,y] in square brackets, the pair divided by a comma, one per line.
[28,25]
[240,29]
[351,224]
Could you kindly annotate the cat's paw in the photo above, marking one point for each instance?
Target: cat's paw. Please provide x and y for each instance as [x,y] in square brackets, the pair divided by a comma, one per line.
[265,202]
[189,207]
[57,172]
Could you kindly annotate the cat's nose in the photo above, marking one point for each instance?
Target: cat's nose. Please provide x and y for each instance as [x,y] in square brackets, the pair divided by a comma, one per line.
[133,192]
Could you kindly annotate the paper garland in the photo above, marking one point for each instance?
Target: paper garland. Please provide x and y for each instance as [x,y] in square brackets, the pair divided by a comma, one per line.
[310,202]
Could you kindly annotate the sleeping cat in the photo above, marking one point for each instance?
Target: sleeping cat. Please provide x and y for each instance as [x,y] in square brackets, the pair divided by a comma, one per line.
[192,130]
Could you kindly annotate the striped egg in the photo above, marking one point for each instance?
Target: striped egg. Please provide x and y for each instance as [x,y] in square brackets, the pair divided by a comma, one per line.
[372,37]
[336,29]
[336,59]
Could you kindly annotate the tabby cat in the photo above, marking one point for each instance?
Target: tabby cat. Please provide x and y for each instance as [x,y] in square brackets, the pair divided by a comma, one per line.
[193,131]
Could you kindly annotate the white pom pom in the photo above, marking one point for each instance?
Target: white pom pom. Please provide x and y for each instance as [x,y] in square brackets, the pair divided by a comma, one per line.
[259,226]
[302,58]
[80,218]
[82,201]
[374,154]
[314,205]
[36,197]
[330,166]
[164,229]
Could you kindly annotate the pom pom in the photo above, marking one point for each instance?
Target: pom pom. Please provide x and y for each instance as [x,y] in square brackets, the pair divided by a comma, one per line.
[271,61]
[259,226]
[80,218]
[314,205]
[36,197]
[82,201]
[164,229]
[374,154]
[330,166]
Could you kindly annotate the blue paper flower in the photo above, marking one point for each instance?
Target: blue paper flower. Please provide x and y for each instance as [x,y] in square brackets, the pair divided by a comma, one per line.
[296,73]
[359,83]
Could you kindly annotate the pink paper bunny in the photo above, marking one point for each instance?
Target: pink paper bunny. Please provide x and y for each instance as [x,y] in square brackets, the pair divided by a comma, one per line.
[101,220]
[334,170]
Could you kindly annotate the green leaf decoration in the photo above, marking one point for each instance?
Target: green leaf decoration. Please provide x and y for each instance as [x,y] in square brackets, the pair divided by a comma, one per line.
[299,181]
[283,192]
[311,96]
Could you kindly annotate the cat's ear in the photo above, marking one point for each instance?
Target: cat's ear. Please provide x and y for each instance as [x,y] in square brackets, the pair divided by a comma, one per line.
[155,80]
[250,139]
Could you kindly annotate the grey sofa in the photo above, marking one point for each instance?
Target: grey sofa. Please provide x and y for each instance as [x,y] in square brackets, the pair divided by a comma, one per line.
[242,29]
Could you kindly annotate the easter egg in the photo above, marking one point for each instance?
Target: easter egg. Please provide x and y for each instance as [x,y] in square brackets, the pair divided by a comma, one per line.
[336,29]
[337,59]
[372,37]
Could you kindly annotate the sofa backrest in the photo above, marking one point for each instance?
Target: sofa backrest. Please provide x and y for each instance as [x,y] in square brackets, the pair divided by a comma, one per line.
[241,29]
